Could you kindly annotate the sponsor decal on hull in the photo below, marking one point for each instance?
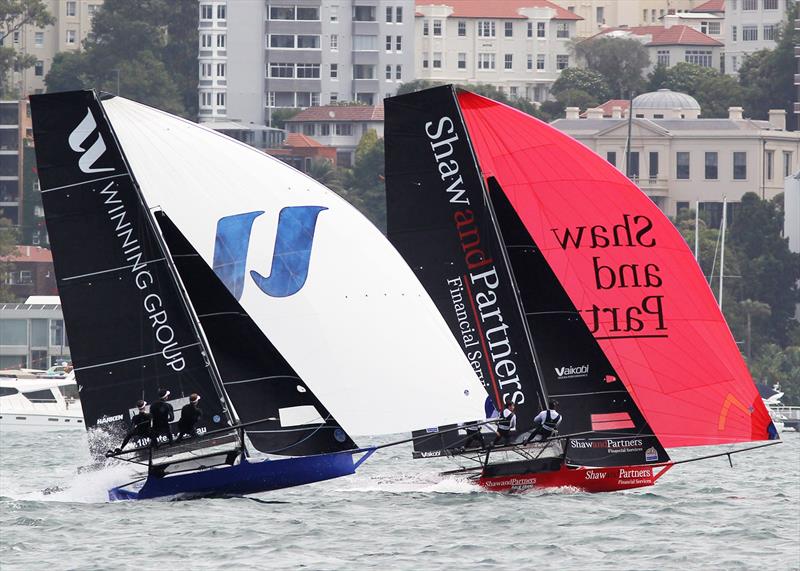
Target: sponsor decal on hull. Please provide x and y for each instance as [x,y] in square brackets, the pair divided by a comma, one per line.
[515,483]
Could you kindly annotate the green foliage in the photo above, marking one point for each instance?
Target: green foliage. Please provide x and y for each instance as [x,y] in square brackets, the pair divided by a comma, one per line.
[146,47]
[781,366]
[363,185]
[620,61]
[14,15]
[715,92]
[766,76]
[577,98]
[417,85]
[279,117]
[588,81]
[8,245]
[323,171]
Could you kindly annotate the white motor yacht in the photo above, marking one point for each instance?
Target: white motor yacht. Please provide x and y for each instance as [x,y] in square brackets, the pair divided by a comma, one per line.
[31,402]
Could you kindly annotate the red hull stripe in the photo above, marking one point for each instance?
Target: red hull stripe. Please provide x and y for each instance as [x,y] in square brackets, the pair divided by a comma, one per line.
[612,421]
[609,479]
[630,273]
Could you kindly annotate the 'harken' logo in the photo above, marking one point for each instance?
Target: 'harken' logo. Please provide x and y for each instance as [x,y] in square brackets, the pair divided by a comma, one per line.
[79,136]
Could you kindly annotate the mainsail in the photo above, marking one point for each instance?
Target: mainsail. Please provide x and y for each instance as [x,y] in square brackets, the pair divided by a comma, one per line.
[628,272]
[107,255]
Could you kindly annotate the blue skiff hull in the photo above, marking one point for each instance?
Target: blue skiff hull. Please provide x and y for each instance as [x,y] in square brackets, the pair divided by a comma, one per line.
[245,477]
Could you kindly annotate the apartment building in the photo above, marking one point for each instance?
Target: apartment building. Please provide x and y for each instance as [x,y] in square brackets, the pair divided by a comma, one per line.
[751,25]
[518,46]
[32,333]
[598,14]
[257,57]
[12,130]
[73,24]
[678,158]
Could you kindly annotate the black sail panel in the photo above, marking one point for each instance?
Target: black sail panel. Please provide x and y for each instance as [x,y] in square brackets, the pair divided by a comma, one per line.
[259,382]
[130,333]
[438,218]
[591,396]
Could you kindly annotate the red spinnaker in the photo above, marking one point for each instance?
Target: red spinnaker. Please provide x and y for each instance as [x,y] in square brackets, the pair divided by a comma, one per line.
[629,272]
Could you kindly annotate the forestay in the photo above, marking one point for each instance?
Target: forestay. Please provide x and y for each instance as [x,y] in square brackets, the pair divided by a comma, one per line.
[321,282]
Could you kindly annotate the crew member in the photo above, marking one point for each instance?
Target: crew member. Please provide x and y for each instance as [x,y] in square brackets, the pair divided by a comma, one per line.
[545,425]
[190,414]
[141,427]
[162,415]
[473,430]
[506,425]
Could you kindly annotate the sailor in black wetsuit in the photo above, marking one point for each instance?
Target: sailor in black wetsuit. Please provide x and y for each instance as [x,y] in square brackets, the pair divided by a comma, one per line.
[190,414]
[162,414]
[141,427]
[506,425]
[546,423]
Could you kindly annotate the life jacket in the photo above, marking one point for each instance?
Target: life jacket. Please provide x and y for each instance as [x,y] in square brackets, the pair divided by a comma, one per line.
[504,423]
[550,422]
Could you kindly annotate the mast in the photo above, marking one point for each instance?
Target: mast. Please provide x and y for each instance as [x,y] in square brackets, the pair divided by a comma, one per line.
[722,247]
[696,230]
[187,306]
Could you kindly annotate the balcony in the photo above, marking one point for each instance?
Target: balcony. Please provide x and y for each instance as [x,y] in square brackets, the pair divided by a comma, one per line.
[652,186]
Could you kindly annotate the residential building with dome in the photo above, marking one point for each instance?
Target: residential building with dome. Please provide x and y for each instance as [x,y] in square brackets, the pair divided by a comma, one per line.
[678,157]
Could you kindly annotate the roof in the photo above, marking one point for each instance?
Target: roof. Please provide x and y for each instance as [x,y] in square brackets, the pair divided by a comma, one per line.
[594,126]
[661,36]
[608,106]
[665,99]
[30,254]
[339,113]
[710,6]
[506,9]
[300,140]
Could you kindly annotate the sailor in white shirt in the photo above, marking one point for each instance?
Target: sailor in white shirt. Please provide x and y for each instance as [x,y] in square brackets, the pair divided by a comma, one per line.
[506,425]
[545,424]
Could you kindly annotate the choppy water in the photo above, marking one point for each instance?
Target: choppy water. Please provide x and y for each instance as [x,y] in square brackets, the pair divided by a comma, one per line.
[397,513]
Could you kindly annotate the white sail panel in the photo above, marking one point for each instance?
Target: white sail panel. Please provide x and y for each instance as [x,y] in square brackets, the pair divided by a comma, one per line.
[354,321]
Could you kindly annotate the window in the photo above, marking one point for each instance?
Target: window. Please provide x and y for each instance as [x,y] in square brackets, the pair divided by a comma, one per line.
[680,206]
[38,39]
[325,128]
[388,73]
[711,165]
[398,72]
[281,41]
[530,29]
[486,29]
[334,71]
[770,4]
[530,61]
[365,43]
[787,163]
[308,129]
[749,4]
[71,8]
[562,30]
[769,31]
[205,99]
[281,13]
[306,14]
[389,13]
[220,70]
[485,61]
[562,61]
[221,12]
[682,162]
[71,36]
[363,13]
[509,29]
[698,57]
[205,40]
[733,33]
[749,33]
[334,15]
[739,165]
[363,71]
[334,42]
[426,28]
[540,62]
[205,70]
[540,30]
[770,159]
[221,99]
[462,60]
[344,129]
[735,63]
[437,27]
[221,40]
[437,60]
[513,91]
[308,42]
[308,71]
[38,68]
[611,157]
[600,16]
[425,61]
[644,15]
[281,69]
[508,61]
[398,44]
[462,28]
[652,169]
[662,57]
[713,28]
[388,43]
[633,167]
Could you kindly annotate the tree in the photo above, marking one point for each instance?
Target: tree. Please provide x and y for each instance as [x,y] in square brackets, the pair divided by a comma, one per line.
[766,76]
[577,98]
[68,72]
[586,80]
[620,61]
[753,308]
[363,185]
[323,171]
[14,15]
[278,117]
[8,246]
[714,91]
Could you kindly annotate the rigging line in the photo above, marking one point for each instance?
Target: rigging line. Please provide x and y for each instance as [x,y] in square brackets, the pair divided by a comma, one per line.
[131,358]
[226,383]
[729,452]
[302,440]
[714,263]
[86,182]
[153,261]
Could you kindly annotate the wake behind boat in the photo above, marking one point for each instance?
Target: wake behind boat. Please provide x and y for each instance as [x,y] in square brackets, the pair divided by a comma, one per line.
[561,280]
[190,263]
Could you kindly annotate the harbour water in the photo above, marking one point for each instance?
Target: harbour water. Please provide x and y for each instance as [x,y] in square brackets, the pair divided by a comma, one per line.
[398,513]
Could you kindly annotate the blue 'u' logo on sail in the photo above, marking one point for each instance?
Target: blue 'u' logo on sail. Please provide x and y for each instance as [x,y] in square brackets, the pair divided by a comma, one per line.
[290,259]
